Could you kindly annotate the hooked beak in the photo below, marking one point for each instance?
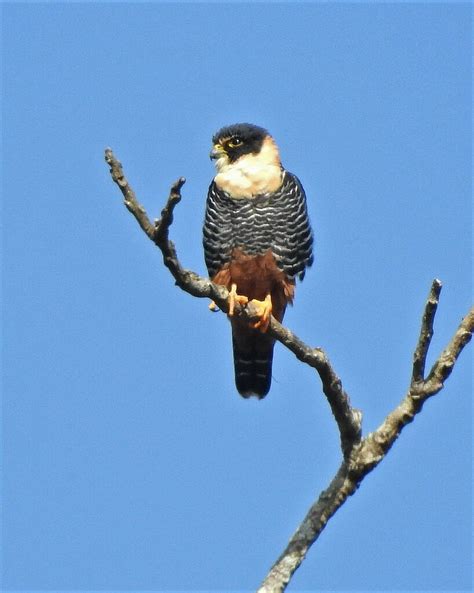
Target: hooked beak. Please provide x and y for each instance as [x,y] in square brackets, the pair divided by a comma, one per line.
[217,152]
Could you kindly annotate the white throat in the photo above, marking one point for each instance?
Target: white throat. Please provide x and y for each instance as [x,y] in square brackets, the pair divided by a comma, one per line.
[251,174]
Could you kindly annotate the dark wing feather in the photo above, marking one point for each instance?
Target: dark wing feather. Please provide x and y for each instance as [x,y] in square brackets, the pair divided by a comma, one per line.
[292,243]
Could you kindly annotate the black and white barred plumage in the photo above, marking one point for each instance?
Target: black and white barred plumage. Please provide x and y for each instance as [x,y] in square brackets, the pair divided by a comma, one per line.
[277,221]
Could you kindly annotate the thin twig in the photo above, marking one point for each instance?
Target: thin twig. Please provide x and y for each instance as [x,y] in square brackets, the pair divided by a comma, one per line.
[426,332]
[129,197]
[375,446]
[444,365]
[158,233]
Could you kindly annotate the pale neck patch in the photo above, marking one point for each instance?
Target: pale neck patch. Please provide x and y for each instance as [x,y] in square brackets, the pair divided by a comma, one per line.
[251,174]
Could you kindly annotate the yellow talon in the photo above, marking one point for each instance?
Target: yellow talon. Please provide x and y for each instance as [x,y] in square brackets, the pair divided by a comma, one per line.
[213,307]
[235,298]
[264,311]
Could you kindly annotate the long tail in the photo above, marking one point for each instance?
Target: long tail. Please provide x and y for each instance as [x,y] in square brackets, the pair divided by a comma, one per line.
[253,356]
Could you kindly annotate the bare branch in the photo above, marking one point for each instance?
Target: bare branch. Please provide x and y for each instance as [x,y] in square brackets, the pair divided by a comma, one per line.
[360,456]
[443,367]
[163,224]
[376,445]
[308,532]
[158,233]
[426,332]
[129,197]
[349,420]
[366,455]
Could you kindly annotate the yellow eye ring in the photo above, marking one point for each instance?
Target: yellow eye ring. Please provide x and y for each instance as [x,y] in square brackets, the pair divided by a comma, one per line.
[235,142]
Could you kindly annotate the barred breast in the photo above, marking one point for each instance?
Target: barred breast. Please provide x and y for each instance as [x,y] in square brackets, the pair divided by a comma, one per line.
[277,222]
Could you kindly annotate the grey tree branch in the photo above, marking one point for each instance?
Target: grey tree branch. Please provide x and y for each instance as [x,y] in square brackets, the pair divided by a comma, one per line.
[370,451]
[426,332]
[360,455]
[158,233]
[349,419]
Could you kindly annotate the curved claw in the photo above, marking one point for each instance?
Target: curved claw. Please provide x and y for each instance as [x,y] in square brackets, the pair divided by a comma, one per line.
[264,311]
[235,298]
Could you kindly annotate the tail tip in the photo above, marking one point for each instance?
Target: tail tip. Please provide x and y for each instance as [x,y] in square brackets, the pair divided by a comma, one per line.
[251,386]
[247,393]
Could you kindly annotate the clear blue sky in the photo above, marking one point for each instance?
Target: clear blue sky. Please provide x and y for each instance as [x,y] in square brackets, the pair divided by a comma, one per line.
[130,462]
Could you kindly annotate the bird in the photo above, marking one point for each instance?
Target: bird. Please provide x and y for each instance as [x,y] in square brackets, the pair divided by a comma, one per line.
[257,240]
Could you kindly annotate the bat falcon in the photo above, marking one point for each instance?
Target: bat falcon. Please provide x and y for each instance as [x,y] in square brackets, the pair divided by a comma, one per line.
[257,240]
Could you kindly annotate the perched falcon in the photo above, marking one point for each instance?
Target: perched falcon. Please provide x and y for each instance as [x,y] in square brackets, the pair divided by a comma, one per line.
[257,240]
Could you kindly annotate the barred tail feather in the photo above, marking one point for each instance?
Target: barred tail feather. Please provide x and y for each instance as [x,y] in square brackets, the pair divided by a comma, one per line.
[253,356]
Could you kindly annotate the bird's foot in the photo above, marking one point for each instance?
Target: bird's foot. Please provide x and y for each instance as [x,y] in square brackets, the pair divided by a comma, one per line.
[235,298]
[264,311]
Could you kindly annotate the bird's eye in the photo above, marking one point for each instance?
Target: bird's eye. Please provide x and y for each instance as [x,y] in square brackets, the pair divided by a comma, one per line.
[234,142]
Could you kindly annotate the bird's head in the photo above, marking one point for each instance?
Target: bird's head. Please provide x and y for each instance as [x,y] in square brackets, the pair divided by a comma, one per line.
[232,142]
